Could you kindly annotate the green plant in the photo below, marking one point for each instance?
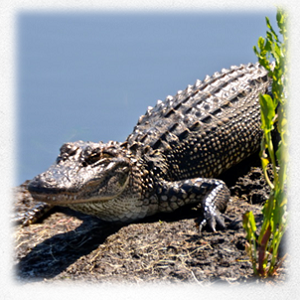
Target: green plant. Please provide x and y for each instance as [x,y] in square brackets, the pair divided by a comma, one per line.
[263,249]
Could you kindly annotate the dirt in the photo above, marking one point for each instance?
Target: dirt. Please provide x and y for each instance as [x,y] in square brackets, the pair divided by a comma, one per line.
[66,245]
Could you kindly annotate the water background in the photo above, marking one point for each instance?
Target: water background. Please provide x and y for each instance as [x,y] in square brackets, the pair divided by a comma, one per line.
[89,76]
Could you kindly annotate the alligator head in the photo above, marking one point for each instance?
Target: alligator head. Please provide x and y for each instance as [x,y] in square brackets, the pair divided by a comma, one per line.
[86,175]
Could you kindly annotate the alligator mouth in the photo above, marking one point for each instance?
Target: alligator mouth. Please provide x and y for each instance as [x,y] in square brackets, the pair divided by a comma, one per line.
[87,193]
[59,196]
[63,198]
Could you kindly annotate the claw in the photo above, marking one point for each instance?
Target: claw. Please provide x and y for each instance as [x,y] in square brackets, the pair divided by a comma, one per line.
[210,218]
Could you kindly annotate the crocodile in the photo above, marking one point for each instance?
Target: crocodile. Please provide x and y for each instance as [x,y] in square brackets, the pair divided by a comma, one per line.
[172,158]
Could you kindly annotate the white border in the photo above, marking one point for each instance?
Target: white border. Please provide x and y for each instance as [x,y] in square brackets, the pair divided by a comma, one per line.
[9,289]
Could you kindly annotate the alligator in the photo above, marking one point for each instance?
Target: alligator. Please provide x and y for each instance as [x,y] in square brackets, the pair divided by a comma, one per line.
[172,158]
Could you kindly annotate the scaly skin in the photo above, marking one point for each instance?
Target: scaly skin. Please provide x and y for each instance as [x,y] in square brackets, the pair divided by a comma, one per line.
[170,159]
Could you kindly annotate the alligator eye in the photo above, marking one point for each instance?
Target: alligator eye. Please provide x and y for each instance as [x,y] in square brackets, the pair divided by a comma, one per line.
[105,154]
[96,156]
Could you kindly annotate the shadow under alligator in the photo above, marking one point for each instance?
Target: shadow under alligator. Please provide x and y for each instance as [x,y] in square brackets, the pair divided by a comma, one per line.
[54,255]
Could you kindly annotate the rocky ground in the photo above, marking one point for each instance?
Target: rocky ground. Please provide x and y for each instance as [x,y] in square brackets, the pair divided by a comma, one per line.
[66,245]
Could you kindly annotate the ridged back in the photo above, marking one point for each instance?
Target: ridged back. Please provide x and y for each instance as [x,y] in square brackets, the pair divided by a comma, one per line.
[220,109]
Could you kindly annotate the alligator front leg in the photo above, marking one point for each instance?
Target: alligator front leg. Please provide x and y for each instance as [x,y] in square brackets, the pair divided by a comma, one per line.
[213,195]
[32,215]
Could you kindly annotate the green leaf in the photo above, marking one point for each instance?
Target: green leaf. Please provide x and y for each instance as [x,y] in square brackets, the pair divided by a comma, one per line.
[249,225]
[268,45]
[267,111]
[276,51]
[260,43]
[279,17]
[255,51]
[271,29]
[279,210]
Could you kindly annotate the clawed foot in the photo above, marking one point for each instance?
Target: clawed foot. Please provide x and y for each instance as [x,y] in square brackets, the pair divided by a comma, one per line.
[212,219]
